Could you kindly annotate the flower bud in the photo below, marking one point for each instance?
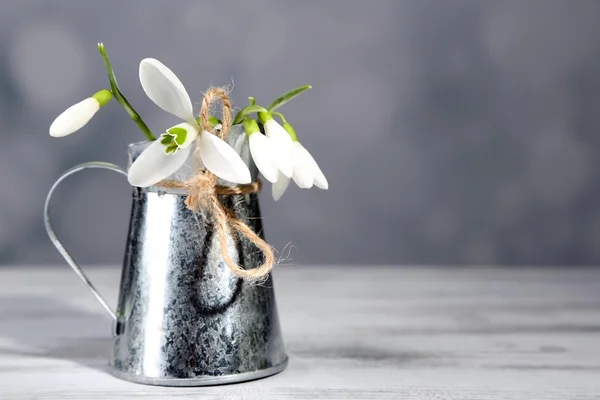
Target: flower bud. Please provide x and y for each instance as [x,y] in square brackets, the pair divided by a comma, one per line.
[76,116]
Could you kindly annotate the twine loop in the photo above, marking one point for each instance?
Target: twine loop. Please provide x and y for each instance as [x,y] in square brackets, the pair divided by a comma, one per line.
[203,195]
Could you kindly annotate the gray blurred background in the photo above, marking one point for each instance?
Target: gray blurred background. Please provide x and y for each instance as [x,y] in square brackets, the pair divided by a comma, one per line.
[451,131]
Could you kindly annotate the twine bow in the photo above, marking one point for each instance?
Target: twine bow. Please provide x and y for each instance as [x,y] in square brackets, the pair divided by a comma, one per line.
[203,193]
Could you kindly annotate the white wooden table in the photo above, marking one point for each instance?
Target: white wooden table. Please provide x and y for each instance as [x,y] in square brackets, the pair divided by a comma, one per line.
[351,333]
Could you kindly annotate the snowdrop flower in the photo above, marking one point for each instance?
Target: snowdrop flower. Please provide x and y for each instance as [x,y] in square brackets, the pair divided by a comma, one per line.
[267,157]
[166,155]
[76,116]
[306,170]
[282,142]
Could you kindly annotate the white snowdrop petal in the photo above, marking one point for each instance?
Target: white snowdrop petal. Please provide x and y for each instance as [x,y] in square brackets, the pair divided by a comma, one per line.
[222,160]
[74,117]
[303,167]
[278,188]
[261,149]
[153,165]
[282,158]
[283,144]
[166,90]
[319,178]
[277,132]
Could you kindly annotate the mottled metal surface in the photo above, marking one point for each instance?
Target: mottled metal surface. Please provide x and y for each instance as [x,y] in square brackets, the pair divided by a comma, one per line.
[181,313]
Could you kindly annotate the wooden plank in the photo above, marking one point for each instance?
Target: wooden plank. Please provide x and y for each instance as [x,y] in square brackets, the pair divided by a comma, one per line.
[352,333]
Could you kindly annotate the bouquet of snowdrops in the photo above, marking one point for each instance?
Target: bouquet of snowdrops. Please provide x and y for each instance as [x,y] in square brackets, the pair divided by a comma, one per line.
[274,146]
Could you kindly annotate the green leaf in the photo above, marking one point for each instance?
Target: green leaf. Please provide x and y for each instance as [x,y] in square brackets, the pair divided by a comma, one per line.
[284,98]
[114,86]
[214,121]
[244,112]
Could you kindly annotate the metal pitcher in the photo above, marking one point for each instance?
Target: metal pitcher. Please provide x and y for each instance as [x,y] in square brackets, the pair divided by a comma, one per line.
[183,318]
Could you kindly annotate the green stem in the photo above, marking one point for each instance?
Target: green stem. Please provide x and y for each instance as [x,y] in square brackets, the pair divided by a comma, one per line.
[121,99]
[281,117]
[244,112]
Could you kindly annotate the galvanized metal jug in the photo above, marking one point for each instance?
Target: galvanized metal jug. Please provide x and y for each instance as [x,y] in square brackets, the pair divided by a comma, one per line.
[183,319]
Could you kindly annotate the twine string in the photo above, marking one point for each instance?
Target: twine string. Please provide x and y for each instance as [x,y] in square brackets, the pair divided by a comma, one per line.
[203,192]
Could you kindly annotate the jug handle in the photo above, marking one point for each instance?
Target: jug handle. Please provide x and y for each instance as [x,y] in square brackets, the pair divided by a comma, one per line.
[58,244]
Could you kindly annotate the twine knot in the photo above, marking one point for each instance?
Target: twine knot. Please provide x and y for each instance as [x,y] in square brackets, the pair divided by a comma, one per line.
[201,191]
[203,196]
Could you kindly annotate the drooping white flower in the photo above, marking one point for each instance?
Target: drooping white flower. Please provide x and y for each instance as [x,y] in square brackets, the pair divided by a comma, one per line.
[76,116]
[306,171]
[265,152]
[282,143]
[170,152]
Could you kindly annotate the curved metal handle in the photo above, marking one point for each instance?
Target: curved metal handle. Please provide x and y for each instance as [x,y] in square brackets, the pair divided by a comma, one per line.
[57,243]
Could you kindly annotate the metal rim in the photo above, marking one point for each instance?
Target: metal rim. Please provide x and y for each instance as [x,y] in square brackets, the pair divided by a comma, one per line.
[201,380]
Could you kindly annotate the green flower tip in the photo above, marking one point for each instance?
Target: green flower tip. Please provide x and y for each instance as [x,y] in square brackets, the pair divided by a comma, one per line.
[264,116]
[172,149]
[103,97]
[173,139]
[167,139]
[290,130]
[250,126]
[175,135]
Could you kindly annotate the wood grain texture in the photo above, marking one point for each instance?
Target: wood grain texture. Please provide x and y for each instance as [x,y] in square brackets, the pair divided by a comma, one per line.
[351,333]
